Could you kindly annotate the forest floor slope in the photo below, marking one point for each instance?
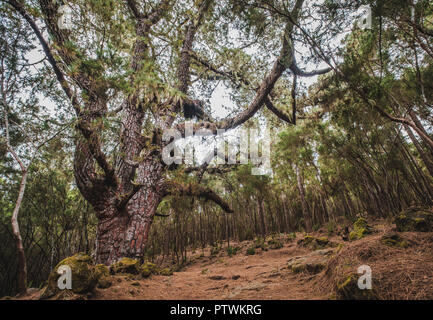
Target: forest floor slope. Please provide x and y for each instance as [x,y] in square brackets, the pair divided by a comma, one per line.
[401,269]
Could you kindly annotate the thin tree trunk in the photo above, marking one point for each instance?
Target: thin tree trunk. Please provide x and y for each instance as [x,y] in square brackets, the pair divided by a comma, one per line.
[262,217]
[22,265]
[288,224]
[419,128]
[304,203]
[417,173]
[426,159]
[86,235]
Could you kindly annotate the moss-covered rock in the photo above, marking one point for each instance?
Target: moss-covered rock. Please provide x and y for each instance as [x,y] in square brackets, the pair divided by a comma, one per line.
[148,268]
[275,244]
[102,270]
[361,228]
[104,283]
[84,276]
[394,240]
[104,280]
[312,263]
[316,243]
[126,265]
[304,267]
[349,290]
[418,219]
[166,272]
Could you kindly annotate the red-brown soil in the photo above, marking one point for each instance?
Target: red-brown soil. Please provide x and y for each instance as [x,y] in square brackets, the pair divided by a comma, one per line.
[406,273]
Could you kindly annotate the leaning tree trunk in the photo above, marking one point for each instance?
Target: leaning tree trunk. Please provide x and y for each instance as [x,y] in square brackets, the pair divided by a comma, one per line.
[424,156]
[22,265]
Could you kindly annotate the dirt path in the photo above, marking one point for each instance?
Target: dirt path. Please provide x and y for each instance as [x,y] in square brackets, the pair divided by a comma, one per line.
[262,276]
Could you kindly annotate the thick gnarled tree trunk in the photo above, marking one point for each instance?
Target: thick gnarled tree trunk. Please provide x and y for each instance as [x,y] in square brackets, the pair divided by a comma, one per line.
[125,211]
[123,232]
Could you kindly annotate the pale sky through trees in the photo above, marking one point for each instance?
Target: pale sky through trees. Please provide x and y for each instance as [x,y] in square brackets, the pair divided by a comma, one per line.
[220,102]
[221,105]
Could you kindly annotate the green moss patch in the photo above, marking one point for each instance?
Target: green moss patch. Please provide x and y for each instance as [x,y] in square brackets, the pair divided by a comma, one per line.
[166,272]
[316,243]
[104,280]
[394,240]
[275,244]
[260,244]
[361,228]
[148,268]
[84,276]
[102,270]
[349,290]
[126,265]
[419,219]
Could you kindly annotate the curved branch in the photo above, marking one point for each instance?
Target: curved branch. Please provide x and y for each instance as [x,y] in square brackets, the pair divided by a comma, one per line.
[174,188]
[123,201]
[229,75]
[279,113]
[262,94]
[297,71]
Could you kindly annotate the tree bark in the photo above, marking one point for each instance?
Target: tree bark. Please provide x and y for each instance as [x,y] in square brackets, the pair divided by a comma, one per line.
[22,265]
[124,232]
